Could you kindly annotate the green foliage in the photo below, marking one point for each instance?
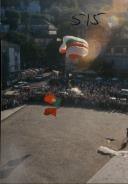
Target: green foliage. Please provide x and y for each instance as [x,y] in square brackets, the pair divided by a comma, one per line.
[32,55]
[66,29]
[12,18]
[25,16]
[4,69]
[103,67]
[52,56]
[10,3]
[16,37]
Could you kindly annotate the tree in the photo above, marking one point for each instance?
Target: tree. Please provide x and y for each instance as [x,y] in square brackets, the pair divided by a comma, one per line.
[103,67]
[12,18]
[10,3]
[53,58]
[4,70]
[32,55]
[15,37]
[6,3]
[107,69]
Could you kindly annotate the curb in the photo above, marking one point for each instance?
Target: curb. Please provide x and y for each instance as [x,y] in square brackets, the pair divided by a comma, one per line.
[12,113]
[114,171]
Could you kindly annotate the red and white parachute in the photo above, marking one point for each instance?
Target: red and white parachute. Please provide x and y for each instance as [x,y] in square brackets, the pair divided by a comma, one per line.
[74,47]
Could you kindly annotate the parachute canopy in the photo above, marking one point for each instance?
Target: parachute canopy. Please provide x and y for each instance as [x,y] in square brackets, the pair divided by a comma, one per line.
[74,47]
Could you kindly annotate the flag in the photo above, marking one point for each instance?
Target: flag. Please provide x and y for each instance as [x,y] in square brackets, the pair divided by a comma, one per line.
[57,103]
[52,100]
[50,111]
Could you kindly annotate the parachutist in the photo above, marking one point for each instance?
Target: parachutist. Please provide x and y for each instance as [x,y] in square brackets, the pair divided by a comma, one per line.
[75,48]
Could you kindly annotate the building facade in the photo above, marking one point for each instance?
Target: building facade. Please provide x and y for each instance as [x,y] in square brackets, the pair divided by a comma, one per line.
[117,55]
[10,62]
[34,7]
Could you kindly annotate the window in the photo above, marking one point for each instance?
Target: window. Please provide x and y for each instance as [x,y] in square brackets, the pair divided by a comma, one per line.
[124,50]
[112,51]
[16,67]
[119,50]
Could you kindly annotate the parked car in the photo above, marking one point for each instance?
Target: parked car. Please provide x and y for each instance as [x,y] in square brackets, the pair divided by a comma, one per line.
[124,93]
[16,86]
[19,84]
[22,83]
[38,78]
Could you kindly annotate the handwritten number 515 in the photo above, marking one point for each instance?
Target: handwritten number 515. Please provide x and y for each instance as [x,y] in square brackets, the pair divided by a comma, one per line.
[76,21]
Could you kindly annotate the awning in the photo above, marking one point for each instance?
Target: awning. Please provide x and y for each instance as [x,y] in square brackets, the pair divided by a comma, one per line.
[55,72]
[113,98]
[125,90]
[99,78]
[37,70]
[114,79]
[25,87]
[10,93]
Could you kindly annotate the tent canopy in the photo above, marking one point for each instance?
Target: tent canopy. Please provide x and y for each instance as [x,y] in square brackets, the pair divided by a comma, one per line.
[11,93]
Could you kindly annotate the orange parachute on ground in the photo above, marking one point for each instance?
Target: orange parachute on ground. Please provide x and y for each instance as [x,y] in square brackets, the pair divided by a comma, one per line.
[49,98]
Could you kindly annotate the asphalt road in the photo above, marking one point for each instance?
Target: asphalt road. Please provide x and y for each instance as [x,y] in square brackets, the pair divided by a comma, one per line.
[62,149]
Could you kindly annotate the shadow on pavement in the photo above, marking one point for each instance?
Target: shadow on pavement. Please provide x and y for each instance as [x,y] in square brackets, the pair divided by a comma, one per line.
[6,170]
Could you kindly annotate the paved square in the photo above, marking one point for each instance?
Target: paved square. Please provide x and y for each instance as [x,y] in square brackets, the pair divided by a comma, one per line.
[62,149]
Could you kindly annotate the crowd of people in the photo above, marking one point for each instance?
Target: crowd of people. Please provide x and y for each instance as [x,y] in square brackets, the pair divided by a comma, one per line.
[104,94]
[15,100]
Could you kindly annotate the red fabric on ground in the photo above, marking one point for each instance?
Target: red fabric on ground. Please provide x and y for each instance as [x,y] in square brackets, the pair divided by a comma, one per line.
[50,111]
